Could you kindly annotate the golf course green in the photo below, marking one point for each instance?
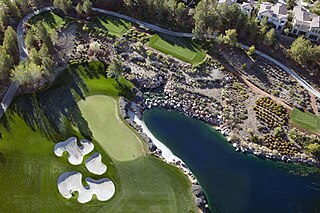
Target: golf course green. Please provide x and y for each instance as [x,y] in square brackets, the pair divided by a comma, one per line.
[30,169]
[113,135]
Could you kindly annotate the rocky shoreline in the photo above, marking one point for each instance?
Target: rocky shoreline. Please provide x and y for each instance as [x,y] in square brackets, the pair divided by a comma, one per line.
[125,109]
[216,121]
[184,103]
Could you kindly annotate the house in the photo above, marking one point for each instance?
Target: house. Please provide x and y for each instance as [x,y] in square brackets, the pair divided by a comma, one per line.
[247,7]
[306,23]
[276,14]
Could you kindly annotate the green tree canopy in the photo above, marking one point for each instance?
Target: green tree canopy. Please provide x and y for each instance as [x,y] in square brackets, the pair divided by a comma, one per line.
[269,38]
[87,6]
[303,52]
[6,63]
[314,149]
[115,69]
[27,73]
[64,5]
[231,37]
[10,42]
[316,8]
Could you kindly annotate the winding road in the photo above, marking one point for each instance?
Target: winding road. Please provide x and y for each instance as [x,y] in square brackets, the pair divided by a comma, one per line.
[24,54]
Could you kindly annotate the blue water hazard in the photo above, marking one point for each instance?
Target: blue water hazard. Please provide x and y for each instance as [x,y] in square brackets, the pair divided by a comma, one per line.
[232,181]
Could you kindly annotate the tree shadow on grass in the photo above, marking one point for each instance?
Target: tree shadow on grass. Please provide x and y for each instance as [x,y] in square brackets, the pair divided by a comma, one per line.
[124,91]
[115,21]
[54,111]
[5,122]
[46,17]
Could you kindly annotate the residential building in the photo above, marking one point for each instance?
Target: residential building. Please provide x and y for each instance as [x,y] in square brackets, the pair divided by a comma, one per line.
[247,7]
[277,14]
[306,23]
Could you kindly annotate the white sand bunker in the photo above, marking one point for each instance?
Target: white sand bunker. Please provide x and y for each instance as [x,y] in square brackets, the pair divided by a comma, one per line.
[70,182]
[76,153]
[94,164]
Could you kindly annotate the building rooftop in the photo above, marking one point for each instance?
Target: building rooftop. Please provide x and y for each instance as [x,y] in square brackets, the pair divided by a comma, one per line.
[303,17]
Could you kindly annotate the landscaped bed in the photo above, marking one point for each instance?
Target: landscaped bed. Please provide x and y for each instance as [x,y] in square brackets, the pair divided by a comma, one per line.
[181,48]
[305,120]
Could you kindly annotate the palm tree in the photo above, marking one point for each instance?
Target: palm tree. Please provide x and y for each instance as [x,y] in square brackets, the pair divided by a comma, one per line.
[115,69]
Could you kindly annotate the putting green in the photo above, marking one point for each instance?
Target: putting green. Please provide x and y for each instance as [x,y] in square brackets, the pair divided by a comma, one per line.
[108,129]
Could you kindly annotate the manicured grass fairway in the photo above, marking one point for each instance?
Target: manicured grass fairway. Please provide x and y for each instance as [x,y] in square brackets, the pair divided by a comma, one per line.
[114,26]
[306,120]
[50,19]
[113,135]
[178,47]
[148,184]
[29,171]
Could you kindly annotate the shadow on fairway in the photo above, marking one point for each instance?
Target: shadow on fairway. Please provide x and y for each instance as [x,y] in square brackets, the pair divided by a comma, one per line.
[124,91]
[4,121]
[53,111]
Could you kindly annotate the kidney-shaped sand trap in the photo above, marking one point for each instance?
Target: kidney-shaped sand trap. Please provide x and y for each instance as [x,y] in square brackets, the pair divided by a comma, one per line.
[76,153]
[70,182]
[94,164]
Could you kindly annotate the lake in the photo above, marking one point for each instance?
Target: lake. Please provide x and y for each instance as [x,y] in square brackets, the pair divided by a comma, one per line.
[232,181]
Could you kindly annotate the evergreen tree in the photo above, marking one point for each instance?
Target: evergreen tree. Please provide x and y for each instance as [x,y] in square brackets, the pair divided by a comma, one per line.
[87,7]
[10,42]
[6,63]
[115,69]
[270,37]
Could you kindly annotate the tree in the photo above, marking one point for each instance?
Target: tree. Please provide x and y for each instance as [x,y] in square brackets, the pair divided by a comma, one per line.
[10,42]
[79,9]
[251,50]
[48,64]
[263,26]
[30,39]
[291,4]
[279,132]
[286,31]
[316,8]
[115,69]
[6,63]
[44,51]
[13,9]
[301,50]
[87,7]
[43,36]
[231,37]
[64,5]
[269,38]
[34,56]
[206,19]
[54,37]
[314,149]
[27,73]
